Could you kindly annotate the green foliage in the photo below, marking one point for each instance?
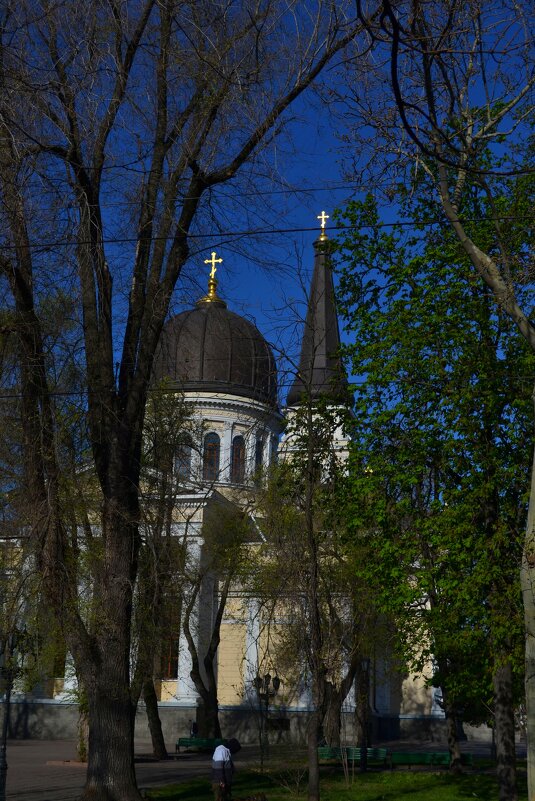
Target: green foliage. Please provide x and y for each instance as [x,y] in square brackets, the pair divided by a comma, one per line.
[306,571]
[371,786]
[440,462]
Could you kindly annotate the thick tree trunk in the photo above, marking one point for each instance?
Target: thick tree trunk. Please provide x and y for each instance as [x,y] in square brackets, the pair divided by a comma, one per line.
[155,724]
[332,719]
[313,763]
[105,659]
[334,697]
[110,771]
[208,715]
[505,731]
[452,730]
[83,723]
[83,735]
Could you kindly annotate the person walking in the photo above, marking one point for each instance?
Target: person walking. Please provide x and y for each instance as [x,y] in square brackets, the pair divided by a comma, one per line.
[223,769]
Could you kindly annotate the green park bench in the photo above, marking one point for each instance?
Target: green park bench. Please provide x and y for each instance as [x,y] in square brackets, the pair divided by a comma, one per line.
[327,753]
[373,755]
[425,758]
[352,754]
[200,743]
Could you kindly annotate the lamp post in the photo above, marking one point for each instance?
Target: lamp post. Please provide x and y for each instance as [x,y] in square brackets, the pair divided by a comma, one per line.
[264,692]
[364,704]
[7,647]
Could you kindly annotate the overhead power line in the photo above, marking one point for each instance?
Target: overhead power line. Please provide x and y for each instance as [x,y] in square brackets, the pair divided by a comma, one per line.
[220,236]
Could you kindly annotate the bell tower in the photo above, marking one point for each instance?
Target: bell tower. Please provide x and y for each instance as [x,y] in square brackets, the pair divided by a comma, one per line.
[321,377]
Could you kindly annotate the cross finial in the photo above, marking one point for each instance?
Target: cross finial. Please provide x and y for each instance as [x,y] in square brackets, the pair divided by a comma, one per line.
[323,219]
[213,261]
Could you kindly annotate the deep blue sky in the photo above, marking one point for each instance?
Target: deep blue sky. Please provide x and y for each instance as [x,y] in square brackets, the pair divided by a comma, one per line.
[266,277]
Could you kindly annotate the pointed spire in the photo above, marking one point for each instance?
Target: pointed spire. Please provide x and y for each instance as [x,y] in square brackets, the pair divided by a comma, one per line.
[321,372]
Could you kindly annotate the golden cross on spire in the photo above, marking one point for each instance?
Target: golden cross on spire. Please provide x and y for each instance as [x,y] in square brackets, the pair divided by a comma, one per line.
[213,261]
[323,219]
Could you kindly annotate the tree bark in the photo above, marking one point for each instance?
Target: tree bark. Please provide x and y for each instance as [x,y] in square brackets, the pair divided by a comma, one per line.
[106,674]
[313,762]
[155,724]
[505,731]
[332,719]
[110,770]
[208,715]
[209,725]
[452,733]
[334,696]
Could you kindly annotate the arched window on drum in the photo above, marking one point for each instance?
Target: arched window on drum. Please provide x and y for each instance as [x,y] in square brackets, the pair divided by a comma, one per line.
[274,456]
[237,464]
[210,459]
[259,454]
[183,458]
[258,460]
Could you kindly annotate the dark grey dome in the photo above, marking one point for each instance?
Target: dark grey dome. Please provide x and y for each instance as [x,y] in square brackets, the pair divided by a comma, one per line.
[212,349]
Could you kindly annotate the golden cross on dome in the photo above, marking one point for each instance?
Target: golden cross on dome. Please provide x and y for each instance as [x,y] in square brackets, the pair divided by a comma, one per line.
[323,219]
[213,261]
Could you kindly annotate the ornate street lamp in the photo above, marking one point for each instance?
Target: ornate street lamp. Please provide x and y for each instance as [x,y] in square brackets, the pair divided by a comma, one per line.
[364,699]
[265,688]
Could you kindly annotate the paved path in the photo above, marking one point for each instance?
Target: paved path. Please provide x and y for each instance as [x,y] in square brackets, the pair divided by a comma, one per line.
[45,770]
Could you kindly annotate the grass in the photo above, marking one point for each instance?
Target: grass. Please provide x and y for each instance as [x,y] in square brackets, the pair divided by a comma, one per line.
[372,786]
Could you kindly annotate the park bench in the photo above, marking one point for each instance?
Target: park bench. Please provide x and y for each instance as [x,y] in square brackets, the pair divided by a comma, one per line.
[352,754]
[431,758]
[200,743]
[335,755]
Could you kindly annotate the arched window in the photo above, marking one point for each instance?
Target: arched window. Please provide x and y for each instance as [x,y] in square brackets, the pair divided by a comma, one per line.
[259,454]
[210,459]
[237,467]
[183,459]
[274,447]
[170,627]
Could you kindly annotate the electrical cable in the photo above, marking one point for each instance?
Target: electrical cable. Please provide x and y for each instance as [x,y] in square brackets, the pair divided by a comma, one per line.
[257,232]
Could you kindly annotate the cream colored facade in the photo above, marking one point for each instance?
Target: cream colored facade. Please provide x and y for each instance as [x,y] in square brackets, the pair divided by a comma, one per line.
[227,418]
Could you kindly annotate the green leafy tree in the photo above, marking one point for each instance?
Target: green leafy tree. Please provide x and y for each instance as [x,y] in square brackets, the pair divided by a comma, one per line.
[439,460]
[448,91]
[308,573]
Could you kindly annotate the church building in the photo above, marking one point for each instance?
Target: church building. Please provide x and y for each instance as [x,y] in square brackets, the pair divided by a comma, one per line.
[221,368]
[227,373]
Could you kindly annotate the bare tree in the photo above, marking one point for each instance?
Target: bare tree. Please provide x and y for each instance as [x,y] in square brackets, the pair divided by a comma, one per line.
[118,122]
[167,427]
[458,113]
[209,578]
